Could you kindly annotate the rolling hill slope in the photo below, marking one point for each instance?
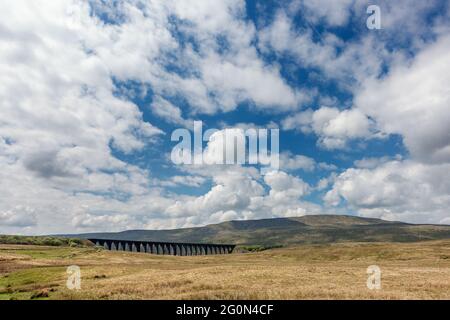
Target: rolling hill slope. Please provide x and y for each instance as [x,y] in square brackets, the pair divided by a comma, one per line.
[289,231]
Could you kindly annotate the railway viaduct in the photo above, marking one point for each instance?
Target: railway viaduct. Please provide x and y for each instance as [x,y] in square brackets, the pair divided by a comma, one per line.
[168,248]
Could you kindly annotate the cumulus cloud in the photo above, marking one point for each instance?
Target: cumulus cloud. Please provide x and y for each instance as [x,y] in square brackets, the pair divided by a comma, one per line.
[93,222]
[19,216]
[295,162]
[413,100]
[291,162]
[232,191]
[221,68]
[372,162]
[191,181]
[283,184]
[166,110]
[284,198]
[335,13]
[66,111]
[333,127]
[350,62]
[240,193]
[396,190]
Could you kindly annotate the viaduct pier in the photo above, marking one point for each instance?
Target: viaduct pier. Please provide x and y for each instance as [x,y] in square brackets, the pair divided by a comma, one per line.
[167,248]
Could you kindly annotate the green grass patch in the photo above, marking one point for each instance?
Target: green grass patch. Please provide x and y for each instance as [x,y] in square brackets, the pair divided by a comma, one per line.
[26,284]
[54,253]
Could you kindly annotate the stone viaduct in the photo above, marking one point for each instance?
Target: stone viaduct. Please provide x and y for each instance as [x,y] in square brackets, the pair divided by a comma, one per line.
[168,248]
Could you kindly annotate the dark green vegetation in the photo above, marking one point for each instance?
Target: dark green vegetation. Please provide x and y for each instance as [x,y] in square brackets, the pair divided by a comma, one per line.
[290,231]
[257,248]
[43,241]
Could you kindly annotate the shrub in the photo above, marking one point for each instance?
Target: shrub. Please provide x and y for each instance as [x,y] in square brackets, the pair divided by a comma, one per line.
[43,241]
[257,248]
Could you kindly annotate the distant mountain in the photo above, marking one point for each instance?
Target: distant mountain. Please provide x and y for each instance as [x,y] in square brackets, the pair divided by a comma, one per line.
[289,231]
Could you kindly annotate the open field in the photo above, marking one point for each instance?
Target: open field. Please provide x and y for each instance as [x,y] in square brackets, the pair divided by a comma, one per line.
[331,271]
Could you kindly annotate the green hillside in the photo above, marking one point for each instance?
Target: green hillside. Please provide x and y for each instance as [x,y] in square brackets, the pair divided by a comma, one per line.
[289,231]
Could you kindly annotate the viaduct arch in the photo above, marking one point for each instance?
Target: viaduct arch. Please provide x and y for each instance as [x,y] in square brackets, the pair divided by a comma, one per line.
[167,248]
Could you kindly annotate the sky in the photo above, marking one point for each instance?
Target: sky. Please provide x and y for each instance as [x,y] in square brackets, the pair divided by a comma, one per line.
[91,91]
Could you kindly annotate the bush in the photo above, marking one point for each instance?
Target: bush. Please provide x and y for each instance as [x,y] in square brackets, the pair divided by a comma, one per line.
[258,248]
[43,241]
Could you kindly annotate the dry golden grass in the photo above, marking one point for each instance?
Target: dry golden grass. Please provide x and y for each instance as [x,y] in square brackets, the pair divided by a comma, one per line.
[409,271]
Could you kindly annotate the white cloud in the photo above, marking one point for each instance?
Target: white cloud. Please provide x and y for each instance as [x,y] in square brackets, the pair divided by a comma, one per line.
[224,146]
[324,183]
[300,121]
[405,20]
[396,190]
[283,184]
[240,193]
[232,191]
[250,80]
[19,216]
[335,13]
[295,162]
[413,100]
[371,163]
[291,162]
[61,111]
[223,74]
[284,198]
[90,221]
[348,61]
[60,116]
[191,181]
[333,127]
[169,112]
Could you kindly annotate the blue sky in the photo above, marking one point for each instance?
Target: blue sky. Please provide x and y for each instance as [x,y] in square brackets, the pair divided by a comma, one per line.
[93,91]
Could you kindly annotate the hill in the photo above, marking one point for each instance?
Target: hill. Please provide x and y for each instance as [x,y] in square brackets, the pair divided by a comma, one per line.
[313,229]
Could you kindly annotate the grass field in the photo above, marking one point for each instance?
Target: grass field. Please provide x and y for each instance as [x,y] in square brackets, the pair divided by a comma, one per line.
[338,271]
